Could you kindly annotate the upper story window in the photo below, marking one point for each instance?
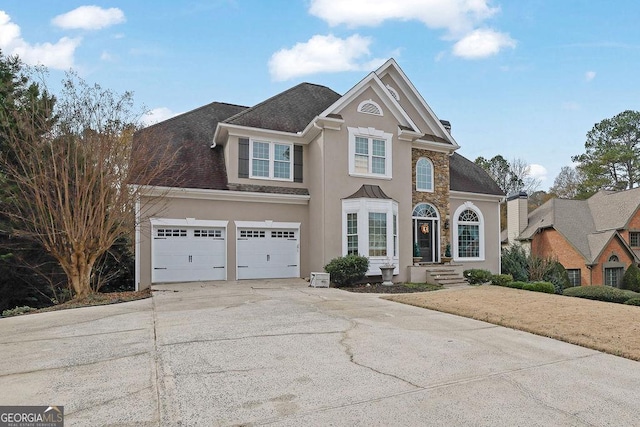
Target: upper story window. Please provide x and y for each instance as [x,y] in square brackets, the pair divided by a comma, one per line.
[369,153]
[634,239]
[468,242]
[424,175]
[271,160]
[370,107]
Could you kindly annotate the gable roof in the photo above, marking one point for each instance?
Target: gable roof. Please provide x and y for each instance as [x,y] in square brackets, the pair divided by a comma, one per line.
[189,135]
[588,225]
[466,176]
[289,111]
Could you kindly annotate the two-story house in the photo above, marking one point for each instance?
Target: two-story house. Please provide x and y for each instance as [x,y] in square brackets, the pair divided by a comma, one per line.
[595,239]
[281,188]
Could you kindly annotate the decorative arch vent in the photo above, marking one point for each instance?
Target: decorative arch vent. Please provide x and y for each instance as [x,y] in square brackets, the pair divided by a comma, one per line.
[370,107]
[393,93]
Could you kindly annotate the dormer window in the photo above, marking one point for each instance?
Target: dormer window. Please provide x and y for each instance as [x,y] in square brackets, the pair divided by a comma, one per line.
[370,107]
[270,160]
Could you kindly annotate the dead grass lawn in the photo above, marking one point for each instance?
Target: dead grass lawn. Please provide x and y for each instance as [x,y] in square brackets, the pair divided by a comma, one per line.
[607,327]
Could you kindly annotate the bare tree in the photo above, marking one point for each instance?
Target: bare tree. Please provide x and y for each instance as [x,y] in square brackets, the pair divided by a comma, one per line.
[568,183]
[69,185]
[521,170]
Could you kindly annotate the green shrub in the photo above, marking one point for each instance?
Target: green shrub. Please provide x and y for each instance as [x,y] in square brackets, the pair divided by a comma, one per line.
[557,275]
[514,262]
[528,287]
[476,276]
[601,293]
[501,279]
[516,285]
[16,311]
[633,301]
[347,270]
[546,287]
[631,278]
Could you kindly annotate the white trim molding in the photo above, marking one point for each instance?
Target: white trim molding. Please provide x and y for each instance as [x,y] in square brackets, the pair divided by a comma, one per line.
[223,195]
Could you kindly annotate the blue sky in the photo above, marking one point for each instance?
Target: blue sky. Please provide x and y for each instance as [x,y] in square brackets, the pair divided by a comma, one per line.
[522,78]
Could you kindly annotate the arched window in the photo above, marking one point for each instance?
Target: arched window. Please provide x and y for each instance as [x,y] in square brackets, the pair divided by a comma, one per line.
[424,175]
[468,232]
[424,210]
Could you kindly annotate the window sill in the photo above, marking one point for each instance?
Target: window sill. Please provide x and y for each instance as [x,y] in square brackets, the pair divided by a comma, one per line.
[374,176]
[264,178]
[468,259]
[424,191]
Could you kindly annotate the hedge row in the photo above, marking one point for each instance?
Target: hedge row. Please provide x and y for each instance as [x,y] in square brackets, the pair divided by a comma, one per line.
[604,293]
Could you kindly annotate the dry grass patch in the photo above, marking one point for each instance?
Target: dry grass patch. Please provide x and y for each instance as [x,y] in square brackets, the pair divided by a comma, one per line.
[611,328]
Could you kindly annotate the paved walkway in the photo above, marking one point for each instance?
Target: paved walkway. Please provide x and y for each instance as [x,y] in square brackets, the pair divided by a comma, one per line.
[281,353]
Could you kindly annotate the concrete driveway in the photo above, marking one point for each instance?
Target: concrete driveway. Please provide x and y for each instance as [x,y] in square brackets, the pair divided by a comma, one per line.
[281,353]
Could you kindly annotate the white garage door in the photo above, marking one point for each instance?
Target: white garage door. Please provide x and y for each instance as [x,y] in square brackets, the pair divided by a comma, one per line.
[188,254]
[268,253]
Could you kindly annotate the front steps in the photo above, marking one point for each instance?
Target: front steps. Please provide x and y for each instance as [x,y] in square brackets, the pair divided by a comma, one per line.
[448,275]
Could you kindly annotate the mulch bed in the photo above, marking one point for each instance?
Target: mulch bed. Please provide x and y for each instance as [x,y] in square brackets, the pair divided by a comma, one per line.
[99,299]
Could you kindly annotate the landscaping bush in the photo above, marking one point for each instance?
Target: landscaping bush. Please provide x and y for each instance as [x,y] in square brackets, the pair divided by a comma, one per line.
[557,275]
[631,278]
[516,285]
[601,293]
[633,301]
[476,276]
[16,311]
[546,287]
[515,263]
[347,270]
[501,279]
[528,287]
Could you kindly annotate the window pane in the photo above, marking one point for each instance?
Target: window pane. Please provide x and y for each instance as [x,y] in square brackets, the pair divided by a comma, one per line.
[424,175]
[377,234]
[378,165]
[361,164]
[260,150]
[352,234]
[362,145]
[468,216]
[282,152]
[468,244]
[574,276]
[634,239]
[260,167]
[282,170]
[379,147]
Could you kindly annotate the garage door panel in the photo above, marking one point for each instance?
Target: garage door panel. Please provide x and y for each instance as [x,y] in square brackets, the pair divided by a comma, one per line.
[189,254]
[267,254]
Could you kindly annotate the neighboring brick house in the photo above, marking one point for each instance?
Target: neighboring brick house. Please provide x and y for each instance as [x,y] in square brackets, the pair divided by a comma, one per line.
[279,189]
[595,239]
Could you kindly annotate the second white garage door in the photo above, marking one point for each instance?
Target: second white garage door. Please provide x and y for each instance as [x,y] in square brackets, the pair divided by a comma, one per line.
[268,253]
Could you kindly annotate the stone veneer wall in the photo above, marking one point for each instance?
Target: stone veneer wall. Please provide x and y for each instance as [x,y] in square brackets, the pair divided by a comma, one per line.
[439,198]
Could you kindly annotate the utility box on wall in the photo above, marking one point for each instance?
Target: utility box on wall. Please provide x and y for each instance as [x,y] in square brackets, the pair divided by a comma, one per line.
[319,280]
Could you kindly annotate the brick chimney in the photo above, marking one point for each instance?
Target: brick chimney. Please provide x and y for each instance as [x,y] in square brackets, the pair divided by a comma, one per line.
[517,215]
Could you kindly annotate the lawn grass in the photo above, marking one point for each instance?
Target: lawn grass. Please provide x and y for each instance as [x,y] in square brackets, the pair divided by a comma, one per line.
[608,327]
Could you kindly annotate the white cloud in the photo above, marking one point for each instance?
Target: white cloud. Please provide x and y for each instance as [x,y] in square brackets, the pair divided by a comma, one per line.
[57,55]
[571,106]
[157,115]
[89,18]
[482,43]
[456,16]
[589,75]
[538,172]
[323,54]
[460,20]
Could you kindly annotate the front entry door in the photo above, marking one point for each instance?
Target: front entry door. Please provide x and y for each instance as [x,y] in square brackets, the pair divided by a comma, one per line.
[425,232]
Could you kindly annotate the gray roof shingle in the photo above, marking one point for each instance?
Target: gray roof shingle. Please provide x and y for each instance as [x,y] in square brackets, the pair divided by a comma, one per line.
[589,224]
[289,111]
[188,137]
[464,175]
